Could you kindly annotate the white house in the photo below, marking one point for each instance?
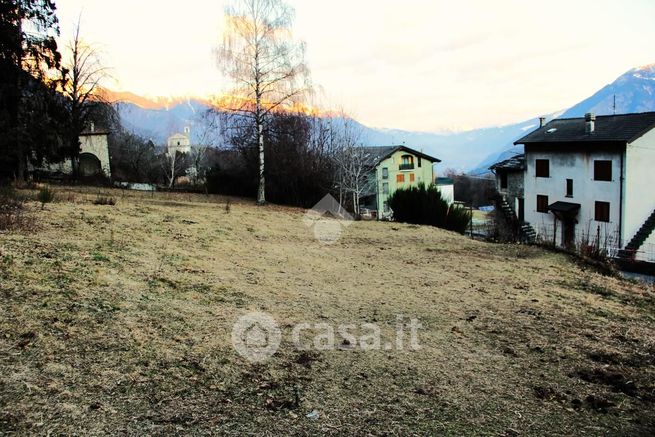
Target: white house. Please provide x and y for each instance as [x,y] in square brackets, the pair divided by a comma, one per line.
[588,180]
[446,187]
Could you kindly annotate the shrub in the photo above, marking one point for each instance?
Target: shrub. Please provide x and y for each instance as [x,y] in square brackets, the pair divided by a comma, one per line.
[11,209]
[423,205]
[45,195]
[104,200]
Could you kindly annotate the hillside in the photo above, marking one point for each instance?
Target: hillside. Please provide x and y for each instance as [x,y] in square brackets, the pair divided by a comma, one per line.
[118,320]
[633,91]
[473,151]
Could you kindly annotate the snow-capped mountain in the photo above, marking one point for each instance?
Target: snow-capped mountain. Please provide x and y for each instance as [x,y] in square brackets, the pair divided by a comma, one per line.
[459,150]
[158,123]
[473,150]
[634,91]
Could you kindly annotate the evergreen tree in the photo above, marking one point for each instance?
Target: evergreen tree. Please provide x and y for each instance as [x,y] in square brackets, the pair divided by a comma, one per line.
[28,58]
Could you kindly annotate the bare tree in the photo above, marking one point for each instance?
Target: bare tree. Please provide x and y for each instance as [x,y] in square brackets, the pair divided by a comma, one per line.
[208,137]
[134,158]
[174,165]
[82,74]
[265,63]
[353,176]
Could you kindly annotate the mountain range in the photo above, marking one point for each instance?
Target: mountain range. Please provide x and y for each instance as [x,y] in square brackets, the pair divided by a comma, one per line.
[472,151]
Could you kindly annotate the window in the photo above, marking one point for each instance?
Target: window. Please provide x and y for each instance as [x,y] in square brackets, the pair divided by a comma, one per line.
[542,203]
[569,188]
[602,170]
[503,181]
[406,162]
[385,206]
[400,178]
[419,162]
[411,177]
[385,173]
[385,188]
[602,211]
[543,168]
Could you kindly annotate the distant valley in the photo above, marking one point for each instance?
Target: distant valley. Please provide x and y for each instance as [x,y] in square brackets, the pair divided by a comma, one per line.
[471,151]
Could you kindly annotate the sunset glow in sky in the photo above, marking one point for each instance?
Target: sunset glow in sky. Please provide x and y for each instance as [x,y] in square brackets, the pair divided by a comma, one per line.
[422,65]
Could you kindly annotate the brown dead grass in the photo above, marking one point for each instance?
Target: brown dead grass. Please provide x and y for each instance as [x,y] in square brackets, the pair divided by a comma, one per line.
[117,320]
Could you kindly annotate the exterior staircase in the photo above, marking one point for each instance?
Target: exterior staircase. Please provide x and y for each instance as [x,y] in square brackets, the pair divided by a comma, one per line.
[523,230]
[630,250]
[528,234]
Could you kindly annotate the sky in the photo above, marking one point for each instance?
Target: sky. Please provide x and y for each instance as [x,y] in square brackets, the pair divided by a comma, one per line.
[426,65]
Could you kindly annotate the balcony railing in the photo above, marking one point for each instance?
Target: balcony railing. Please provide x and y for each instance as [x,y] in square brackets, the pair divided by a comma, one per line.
[406,167]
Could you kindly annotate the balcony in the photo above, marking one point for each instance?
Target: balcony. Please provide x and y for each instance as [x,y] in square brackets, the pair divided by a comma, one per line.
[402,167]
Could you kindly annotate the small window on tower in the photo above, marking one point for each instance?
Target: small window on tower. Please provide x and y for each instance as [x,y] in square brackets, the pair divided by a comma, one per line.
[569,188]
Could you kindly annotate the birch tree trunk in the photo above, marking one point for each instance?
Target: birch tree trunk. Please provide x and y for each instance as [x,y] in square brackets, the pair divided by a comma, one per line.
[261,191]
[267,67]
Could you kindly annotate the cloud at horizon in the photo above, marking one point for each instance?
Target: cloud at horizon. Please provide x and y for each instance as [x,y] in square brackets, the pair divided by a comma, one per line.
[419,65]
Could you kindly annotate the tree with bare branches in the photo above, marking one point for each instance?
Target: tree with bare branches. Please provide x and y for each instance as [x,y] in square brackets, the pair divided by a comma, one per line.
[266,65]
[352,162]
[82,74]
[174,164]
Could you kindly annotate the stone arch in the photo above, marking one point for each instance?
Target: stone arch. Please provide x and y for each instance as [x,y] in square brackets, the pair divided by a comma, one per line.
[89,165]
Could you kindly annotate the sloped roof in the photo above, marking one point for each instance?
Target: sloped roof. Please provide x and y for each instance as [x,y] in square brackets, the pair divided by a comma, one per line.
[444,181]
[377,154]
[88,133]
[624,128]
[564,207]
[515,163]
[178,135]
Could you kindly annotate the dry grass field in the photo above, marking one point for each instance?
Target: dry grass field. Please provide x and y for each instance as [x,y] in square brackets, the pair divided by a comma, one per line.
[117,320]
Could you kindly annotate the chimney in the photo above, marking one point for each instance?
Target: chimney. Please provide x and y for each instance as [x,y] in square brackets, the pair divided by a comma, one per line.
[542,121]
[590,122]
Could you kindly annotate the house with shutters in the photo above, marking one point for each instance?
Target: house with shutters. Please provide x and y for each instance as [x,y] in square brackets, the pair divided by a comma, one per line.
[589,180]
[394,167]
